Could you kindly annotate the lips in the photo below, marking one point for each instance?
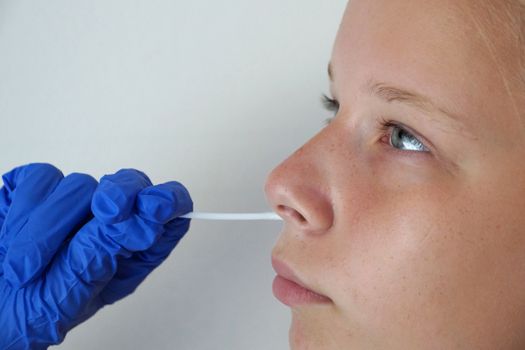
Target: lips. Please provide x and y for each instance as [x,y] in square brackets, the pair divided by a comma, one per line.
[290,290]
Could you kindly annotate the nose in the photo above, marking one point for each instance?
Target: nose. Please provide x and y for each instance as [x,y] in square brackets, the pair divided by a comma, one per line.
[297,190]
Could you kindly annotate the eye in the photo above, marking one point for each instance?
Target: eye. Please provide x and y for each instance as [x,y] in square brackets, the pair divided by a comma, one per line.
[331,105]
[401,139]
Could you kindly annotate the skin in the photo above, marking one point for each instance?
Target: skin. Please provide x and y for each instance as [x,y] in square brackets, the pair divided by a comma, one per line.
[417,250]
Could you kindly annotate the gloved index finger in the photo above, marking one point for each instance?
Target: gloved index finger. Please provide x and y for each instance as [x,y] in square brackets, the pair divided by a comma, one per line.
[25,188]
[47,227]
[31,183]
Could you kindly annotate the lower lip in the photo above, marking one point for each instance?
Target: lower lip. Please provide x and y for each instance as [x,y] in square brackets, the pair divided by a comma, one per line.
[292,294]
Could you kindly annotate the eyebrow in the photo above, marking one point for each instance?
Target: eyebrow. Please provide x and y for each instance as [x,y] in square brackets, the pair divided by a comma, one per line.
[391,93]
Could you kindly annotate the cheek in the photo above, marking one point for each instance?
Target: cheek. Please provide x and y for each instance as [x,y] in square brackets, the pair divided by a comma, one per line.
[410,262]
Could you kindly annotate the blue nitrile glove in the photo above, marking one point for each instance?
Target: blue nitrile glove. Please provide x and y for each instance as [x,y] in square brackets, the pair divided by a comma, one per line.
[61,262]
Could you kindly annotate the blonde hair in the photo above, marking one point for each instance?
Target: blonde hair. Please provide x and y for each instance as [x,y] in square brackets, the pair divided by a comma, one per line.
[521,36]
[512,20]
[501,26]
[516,13]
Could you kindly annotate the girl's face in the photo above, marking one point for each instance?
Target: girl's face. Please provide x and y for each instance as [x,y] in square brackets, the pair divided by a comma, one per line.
[415,231]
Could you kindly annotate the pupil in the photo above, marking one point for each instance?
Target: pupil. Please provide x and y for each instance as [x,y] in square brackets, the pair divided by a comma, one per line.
[400,135]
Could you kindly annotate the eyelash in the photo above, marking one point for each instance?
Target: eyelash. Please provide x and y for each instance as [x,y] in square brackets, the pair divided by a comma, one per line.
[384,126]
[331,105]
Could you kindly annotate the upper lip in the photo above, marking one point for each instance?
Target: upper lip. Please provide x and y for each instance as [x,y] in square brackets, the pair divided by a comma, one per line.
[283,270]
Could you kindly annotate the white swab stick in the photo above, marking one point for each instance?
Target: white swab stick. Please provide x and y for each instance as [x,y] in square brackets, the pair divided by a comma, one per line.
[232,216]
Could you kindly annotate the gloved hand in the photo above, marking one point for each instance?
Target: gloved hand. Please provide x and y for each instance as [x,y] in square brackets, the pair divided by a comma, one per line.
[68,247]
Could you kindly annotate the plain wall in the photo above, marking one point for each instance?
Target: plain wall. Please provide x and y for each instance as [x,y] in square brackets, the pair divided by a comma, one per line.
[213,94]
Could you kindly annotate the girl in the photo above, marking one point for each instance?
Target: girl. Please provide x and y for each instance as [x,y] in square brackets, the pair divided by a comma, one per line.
[408,231]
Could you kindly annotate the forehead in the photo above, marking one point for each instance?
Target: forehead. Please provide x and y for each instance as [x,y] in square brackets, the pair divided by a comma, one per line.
[435,47]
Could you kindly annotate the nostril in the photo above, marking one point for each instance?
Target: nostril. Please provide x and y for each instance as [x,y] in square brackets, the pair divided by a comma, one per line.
[292,213]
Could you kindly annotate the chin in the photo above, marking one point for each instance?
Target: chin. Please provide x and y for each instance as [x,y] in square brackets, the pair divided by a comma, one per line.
[307,334]
[296,336]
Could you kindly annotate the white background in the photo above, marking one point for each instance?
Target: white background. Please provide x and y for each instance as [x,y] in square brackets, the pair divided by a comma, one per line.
[213,94]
